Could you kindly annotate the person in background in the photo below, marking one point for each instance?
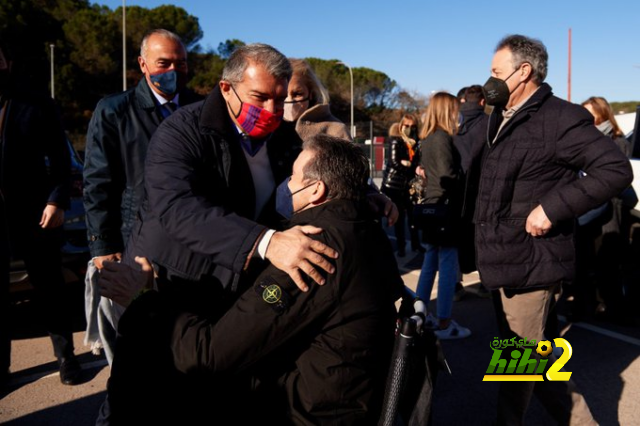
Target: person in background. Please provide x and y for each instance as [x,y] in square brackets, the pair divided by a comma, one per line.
[527,201]
[35,185]
[603,237]
[117,140]
[399,170]
[441,163]
[471,135]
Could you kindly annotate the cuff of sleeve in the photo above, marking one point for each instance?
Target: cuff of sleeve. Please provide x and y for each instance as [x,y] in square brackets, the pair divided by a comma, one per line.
[264,243]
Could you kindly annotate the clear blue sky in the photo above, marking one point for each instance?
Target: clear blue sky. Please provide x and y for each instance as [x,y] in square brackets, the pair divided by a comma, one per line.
[429,45]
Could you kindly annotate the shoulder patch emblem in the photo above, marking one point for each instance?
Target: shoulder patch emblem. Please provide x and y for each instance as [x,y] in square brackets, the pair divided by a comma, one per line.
[272,294]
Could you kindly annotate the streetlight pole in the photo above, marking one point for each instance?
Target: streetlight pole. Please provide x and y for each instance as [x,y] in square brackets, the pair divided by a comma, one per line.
[124,47]
[53,90]
[352,128]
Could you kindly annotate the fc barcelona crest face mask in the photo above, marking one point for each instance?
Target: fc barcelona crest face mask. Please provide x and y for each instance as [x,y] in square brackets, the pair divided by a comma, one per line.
[255,121]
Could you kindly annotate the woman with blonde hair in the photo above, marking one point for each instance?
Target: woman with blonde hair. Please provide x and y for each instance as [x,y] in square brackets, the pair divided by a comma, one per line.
[441,164]
[307,104]
[399,170]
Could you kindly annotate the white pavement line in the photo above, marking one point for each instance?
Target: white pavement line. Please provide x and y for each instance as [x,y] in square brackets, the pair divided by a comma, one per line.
[604,332]
[46,374]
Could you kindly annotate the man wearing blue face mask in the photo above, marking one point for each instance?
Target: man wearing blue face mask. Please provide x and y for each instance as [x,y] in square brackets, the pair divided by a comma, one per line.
[320,357]
[117,141]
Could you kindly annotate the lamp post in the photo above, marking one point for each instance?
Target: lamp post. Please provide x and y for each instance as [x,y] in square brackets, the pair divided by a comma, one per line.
[53,90]
[352,128]
[124,47]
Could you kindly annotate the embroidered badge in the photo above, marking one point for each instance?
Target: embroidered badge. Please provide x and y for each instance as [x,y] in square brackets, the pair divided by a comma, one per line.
[272,294]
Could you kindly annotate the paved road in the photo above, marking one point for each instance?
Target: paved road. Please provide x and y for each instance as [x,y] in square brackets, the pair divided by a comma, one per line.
[605,365]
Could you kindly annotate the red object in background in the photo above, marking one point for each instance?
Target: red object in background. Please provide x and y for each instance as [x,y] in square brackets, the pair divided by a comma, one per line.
[378,152]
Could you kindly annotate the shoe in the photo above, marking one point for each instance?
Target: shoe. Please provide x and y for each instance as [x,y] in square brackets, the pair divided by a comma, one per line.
[431,322]
[460,292]
[70,371]
[453,331]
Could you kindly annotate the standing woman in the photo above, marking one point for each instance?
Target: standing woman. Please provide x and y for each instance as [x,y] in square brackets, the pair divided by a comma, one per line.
[399,171]
[441,163]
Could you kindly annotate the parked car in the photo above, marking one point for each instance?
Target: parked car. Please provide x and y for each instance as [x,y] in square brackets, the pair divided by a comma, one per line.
[75,251]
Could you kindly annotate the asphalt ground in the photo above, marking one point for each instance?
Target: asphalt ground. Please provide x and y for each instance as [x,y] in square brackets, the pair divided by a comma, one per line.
[605,366]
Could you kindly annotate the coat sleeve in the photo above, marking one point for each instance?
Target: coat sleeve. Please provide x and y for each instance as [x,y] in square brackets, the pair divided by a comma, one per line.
[581,146]
[104,182]
[58,153]
[252,329]
[187,208]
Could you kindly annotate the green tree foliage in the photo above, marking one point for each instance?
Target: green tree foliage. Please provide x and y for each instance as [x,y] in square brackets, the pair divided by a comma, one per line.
[88,59]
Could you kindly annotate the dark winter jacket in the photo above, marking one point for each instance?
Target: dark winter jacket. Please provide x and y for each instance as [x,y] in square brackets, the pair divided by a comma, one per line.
[35,165]
[117,141]
[472,130]
[198,215]
[327,349]
[397,175]
[441,163]
[534,161]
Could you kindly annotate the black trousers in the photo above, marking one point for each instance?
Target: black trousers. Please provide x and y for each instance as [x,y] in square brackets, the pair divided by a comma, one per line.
[40,250]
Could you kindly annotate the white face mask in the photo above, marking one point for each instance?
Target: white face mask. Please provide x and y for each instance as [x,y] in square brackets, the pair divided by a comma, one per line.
[294,109]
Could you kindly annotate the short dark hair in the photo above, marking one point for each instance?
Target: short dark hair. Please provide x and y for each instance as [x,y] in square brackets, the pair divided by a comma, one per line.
[461,92]
[474,94]
[529,50]
[340,164]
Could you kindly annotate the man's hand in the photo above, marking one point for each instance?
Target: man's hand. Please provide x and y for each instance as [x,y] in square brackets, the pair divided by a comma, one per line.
[293,252]
[381,203]
[52,217]
[122,283]
[420,172]
[99,260]
[538,224]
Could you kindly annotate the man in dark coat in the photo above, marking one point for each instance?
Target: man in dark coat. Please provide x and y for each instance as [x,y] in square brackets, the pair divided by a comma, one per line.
[211,172]
[528,198]
[321,356]
[35,182]
[117,141]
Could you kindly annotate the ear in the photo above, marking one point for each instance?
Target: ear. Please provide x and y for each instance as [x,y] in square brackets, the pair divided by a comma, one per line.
[526,71]
[225,88]
[319,194]
[141,63]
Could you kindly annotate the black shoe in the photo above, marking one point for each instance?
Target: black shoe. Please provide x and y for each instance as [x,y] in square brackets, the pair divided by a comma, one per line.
[70,371]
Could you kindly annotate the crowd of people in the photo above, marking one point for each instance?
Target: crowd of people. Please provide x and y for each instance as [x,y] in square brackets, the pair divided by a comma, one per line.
[238,252]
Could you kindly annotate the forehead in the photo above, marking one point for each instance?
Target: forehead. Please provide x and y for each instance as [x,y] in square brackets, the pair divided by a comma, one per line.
[296,83]
[160,46]
[302,160]
[502,59]
[257,78]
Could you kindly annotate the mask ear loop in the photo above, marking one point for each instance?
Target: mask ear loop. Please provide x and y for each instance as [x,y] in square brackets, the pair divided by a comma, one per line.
[241,103]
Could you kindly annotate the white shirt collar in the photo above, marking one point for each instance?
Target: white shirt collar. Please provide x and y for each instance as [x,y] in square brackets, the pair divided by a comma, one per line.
[161,100]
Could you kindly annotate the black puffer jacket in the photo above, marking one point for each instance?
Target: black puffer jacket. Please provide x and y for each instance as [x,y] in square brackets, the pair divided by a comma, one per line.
[534,161]
[397,175]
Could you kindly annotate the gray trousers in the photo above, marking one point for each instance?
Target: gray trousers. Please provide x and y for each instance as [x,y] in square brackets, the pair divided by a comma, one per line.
[532,314]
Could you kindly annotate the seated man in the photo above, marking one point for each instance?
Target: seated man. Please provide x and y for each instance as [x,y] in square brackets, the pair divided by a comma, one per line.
[317,357]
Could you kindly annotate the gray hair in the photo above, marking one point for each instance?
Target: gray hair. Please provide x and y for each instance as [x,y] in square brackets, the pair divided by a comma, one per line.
[340,164]
[276,63]
[160,32]
[529,50]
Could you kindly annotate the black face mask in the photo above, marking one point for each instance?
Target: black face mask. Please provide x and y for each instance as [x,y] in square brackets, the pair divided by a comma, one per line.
[496,92]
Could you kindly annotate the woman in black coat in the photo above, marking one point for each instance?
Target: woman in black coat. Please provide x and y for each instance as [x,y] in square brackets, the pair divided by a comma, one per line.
[399,171]
[442,171]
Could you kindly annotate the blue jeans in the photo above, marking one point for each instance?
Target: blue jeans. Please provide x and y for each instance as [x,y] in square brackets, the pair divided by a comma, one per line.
[444,260]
